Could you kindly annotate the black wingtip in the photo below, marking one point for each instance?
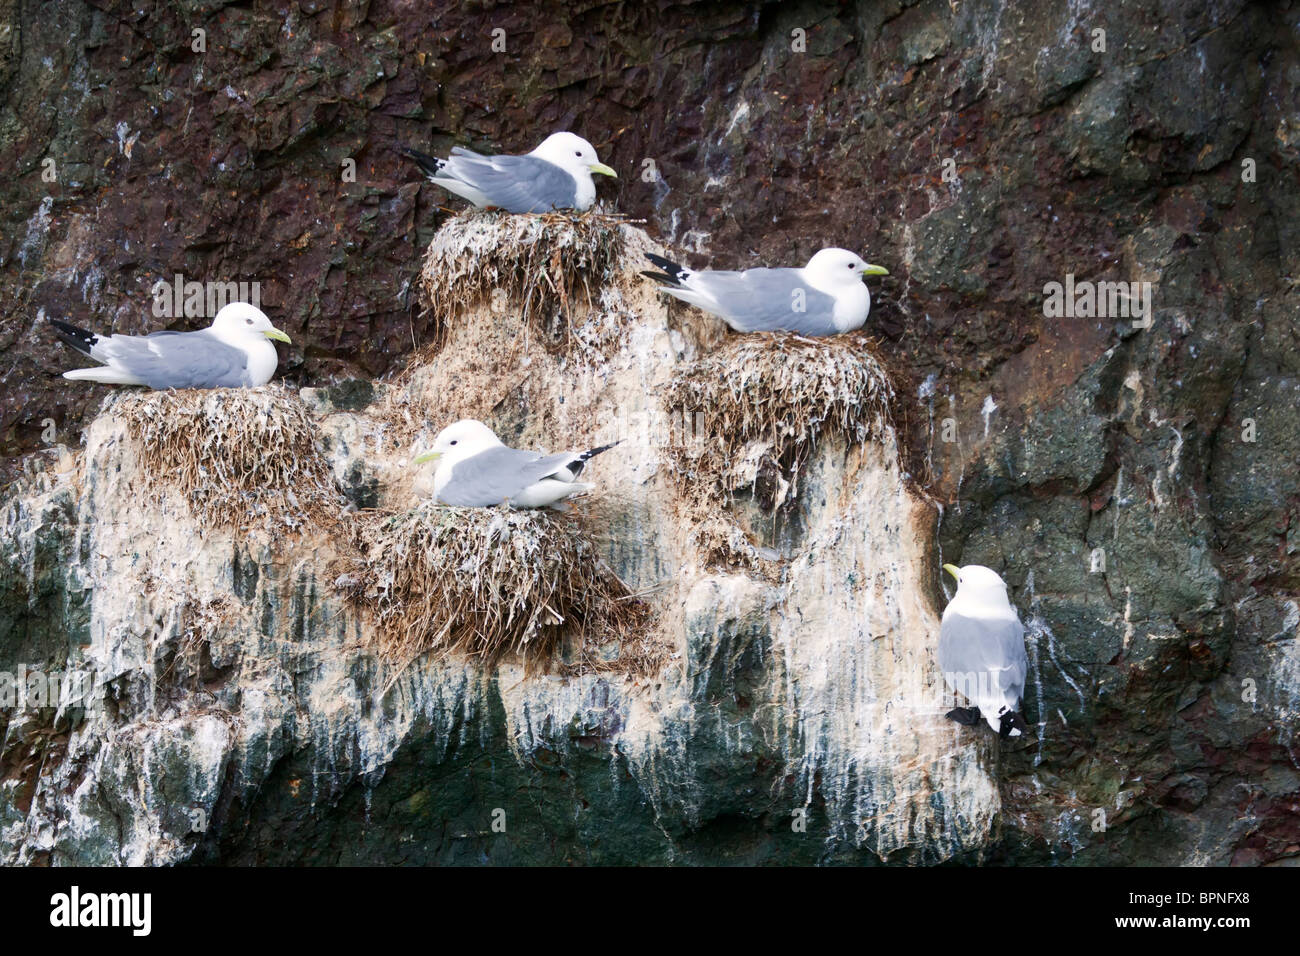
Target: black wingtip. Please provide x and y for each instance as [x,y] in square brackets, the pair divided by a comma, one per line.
[578,464]
[673,270]
[1011,720]
[588,455]
[78,338]
[659,277]
[430,164]
[966,716]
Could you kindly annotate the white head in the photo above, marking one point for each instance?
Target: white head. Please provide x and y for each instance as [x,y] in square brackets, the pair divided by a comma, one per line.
[839,267]
[238,322]
[461,440]
[572,153]
[977,584]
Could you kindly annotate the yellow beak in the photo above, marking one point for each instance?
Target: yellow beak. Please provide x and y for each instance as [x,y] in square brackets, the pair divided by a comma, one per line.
[602,169]
[953,570]
[428,456]
[276,334]
[871,270]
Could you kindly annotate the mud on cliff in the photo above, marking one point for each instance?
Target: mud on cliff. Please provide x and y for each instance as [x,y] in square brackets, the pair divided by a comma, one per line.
[1137,487]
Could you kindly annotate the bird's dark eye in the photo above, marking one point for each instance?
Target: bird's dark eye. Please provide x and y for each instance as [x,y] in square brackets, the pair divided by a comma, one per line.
[453,441]
[248,321]
[578,154]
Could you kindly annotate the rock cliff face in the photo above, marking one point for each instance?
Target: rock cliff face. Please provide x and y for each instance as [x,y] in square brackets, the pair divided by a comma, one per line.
[799,716]
[1138,487]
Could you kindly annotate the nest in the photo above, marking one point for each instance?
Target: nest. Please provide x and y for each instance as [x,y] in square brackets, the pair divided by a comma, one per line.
[751,414]
[241,457]
[543,266]
[487,582]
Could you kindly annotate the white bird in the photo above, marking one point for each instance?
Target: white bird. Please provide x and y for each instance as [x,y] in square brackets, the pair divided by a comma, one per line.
[556,175]
[233,352]
[475,470]
[825,297]
[982,651]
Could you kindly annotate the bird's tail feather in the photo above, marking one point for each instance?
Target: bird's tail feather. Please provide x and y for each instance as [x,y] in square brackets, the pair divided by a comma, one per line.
[104,374]
[575,489]
[78,338]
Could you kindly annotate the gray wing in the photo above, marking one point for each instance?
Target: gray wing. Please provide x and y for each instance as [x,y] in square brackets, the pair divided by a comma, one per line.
[492,476]
[765,300]
[969,645]
[175,359]
[515,183]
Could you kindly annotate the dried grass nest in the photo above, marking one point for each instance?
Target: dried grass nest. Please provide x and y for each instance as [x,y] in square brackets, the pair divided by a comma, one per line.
[241,457]
[491,582]
[758,406]
[546,266]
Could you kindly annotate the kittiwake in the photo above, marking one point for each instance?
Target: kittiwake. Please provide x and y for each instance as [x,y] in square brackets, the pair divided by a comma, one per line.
[475,470]
[556,175]
[982,651]
[825,297]
[233,352]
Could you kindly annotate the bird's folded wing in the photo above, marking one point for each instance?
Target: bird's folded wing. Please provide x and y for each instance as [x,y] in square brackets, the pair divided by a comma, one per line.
[174,359]
[514,183]
[993,646]
[767,300]
[499,474]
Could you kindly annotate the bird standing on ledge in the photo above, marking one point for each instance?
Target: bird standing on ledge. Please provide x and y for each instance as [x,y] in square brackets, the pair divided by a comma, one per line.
[982,651]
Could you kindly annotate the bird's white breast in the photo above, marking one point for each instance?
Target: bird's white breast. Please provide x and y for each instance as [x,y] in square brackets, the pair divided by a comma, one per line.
[448,461]
[852,300]
[586,194]
[441,475]
[851,307]
[262,360]
[983,610]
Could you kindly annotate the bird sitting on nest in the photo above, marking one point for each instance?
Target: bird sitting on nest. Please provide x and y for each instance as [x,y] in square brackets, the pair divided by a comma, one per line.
[825,297]
[556,175]
[476,470]
[233,352]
